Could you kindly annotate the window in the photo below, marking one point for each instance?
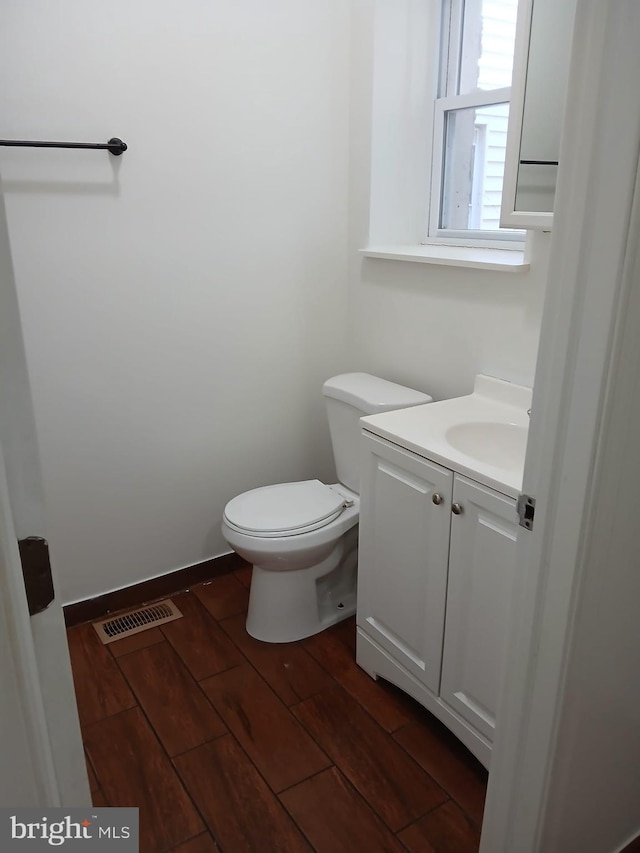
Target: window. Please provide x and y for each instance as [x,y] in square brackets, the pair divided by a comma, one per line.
[470,121]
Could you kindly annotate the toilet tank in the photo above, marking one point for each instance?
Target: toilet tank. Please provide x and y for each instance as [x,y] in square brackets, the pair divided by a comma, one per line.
[350,397]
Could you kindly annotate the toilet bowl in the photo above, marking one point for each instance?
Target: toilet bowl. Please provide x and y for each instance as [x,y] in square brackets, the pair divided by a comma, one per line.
[302,537]
[296,558]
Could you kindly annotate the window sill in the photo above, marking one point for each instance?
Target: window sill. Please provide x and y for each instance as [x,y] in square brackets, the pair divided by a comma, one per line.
[498,260]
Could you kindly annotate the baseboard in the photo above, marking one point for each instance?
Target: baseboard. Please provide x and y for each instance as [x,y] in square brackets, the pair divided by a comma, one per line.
[141,593]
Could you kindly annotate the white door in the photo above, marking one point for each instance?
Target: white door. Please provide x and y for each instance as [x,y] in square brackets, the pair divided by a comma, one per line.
[564,771]
[402,577]
[481,569]
[40,744]
[42,757]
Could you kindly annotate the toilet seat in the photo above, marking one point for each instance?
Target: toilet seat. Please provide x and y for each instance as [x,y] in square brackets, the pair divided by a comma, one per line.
[286,509]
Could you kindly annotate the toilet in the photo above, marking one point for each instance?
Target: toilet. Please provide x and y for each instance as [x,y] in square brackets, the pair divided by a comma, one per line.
[302,537]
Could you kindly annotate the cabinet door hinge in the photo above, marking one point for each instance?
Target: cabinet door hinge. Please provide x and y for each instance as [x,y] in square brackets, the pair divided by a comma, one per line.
[36,571]
[526,508]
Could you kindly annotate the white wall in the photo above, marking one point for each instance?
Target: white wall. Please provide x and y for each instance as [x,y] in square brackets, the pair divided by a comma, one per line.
[437,327]
[181,304]
[433,327]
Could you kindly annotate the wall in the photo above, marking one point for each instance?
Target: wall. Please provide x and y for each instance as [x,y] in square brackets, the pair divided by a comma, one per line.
[436,327]
[431,326]
[183,303]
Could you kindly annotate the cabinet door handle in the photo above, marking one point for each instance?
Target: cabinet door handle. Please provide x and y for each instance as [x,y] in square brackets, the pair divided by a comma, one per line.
[456,509]
[437,499]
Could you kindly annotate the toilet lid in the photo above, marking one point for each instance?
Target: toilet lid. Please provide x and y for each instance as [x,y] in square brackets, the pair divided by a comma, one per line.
[285,509]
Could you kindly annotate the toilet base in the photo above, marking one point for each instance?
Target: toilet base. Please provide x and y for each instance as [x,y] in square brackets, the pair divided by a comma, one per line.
[285,606]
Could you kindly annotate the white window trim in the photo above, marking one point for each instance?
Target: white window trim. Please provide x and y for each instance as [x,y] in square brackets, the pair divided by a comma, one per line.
[485,257]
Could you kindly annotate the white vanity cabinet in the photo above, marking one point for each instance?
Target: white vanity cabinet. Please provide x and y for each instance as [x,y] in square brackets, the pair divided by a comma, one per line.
[437,554]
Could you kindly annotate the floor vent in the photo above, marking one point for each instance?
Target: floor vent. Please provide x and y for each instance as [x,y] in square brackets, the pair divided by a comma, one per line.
[136,620]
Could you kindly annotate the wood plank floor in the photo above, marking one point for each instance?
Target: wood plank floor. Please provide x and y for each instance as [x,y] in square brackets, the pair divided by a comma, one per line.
[226,743]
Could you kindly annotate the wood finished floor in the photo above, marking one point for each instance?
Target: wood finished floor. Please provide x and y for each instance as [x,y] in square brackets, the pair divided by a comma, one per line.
[226,743]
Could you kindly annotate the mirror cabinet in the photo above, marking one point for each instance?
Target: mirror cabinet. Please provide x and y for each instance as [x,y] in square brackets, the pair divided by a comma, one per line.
[538,95]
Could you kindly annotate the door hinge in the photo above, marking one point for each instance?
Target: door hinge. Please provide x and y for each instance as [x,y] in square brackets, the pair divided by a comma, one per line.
[36,571]
[526,509]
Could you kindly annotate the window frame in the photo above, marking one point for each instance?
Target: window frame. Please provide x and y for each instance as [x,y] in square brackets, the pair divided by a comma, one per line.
[446,100]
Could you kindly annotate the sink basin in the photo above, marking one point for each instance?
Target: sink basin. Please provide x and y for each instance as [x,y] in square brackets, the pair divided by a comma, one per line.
[482,435]
[502,445]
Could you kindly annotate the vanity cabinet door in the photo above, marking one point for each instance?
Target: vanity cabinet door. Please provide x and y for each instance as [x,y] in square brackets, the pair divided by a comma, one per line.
[481,568]
[404,545]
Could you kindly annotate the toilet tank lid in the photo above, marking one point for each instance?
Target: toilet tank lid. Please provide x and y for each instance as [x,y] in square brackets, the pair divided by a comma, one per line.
[371,394]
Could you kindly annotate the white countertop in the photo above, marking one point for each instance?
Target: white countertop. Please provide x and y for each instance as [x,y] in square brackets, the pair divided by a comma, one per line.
[491,425]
